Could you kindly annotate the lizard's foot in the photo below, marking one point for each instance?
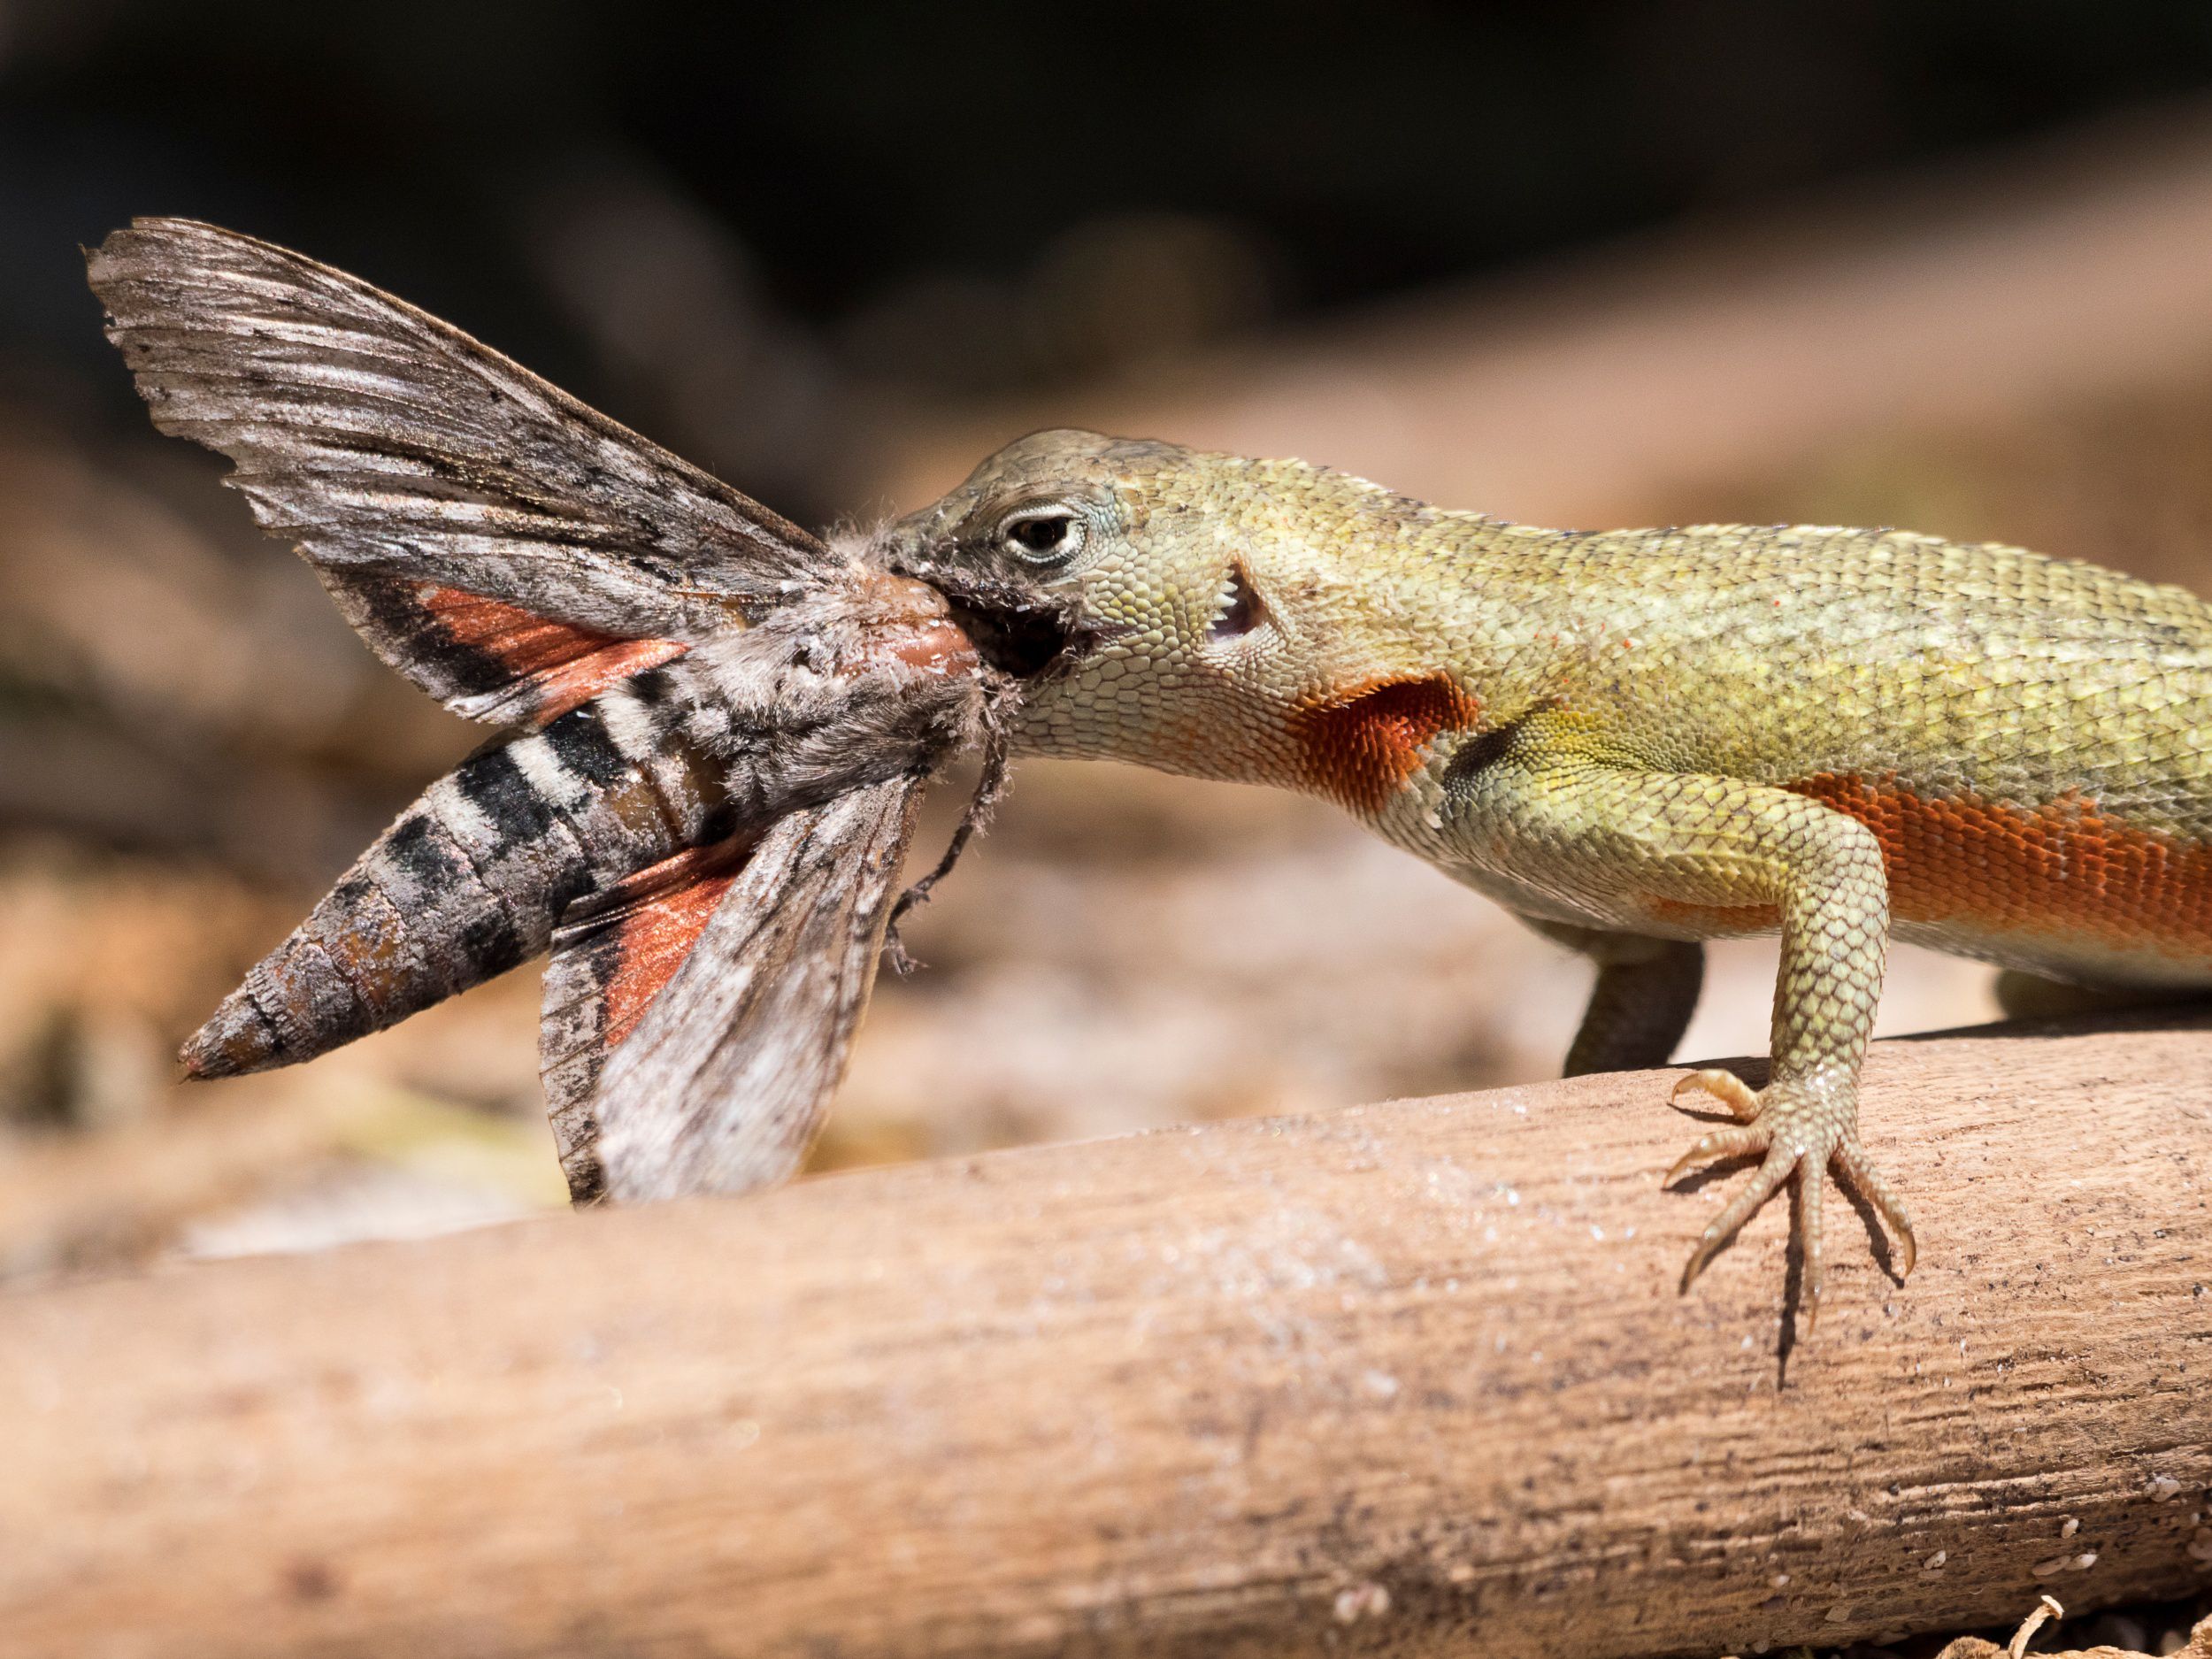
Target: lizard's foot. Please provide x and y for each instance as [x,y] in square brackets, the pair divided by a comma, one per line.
[1803,1125]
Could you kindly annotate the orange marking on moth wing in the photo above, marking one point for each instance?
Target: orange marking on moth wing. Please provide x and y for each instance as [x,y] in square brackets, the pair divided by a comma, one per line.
[566,665]
[2068,866]
[651,941]
[578,681]
[1362,749]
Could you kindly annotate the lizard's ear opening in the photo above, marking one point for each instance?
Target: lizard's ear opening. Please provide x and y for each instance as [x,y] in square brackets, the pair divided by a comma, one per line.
[1240,609]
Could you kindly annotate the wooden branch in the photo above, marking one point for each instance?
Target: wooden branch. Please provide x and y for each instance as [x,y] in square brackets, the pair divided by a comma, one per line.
[1411,1377]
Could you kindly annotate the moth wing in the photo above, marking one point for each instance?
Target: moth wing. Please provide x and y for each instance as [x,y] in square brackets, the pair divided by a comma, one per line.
[507,548]
[693,1039]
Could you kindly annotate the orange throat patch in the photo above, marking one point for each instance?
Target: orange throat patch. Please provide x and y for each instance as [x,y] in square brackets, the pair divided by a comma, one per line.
[1361,750]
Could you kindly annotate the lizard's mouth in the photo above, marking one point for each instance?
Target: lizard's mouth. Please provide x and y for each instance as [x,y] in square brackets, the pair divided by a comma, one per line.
[1025,639]
[1024,634]
[1019,643]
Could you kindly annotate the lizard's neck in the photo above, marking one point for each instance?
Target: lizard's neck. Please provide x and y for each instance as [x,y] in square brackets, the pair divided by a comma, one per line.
[1364,636]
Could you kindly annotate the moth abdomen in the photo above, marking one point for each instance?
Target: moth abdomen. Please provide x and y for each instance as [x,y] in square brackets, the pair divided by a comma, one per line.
[470,881]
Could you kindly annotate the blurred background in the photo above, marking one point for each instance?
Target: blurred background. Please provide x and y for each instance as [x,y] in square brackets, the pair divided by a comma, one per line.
[1947,266]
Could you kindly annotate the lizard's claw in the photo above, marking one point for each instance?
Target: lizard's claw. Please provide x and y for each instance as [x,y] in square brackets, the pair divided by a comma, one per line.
[1802,1127]
[1850,1161]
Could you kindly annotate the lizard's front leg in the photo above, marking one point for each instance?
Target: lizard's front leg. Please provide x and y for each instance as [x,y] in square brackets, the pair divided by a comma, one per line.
[1570,816]
[1645,992]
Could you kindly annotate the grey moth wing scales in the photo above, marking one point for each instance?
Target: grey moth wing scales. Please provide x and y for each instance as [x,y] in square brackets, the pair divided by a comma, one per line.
[692,1042]
[509,549]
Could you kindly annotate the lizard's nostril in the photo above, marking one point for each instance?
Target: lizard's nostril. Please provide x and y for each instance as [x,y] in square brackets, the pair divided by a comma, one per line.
[1240,609]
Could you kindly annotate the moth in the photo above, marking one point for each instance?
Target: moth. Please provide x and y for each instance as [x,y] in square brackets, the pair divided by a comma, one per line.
[714,728]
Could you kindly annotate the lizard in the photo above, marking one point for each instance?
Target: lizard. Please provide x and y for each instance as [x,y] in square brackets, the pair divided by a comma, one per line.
[1639,740]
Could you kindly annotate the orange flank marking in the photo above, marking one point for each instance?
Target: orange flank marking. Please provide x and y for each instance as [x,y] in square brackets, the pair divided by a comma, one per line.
[2067,866]
[651,942]
[1714,921]
[1362,749]
[567,666]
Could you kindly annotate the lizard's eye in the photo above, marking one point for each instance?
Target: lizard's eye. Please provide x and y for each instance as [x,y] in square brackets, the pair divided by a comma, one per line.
[1043,535]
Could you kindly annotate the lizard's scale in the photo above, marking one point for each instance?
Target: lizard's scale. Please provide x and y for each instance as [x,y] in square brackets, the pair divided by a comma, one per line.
[1638,737]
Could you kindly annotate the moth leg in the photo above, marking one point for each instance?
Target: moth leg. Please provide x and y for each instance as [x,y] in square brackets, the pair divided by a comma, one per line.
[1645,991]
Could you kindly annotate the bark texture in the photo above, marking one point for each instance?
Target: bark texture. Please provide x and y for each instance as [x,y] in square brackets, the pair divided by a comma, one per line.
[1407,1378]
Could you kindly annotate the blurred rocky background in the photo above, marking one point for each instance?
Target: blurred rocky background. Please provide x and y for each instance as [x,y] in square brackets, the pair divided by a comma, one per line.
[1941,264]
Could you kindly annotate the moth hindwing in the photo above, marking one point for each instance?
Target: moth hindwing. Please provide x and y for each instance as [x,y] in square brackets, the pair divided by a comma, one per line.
[735,998]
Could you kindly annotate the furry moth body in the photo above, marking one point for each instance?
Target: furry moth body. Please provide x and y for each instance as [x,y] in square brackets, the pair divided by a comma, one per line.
[718,727]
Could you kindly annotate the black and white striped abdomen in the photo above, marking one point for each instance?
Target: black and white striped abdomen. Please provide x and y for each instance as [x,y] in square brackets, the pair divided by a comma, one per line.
[471,879]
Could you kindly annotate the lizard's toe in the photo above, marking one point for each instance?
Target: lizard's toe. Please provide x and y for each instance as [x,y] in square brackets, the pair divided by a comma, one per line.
[1804,1127]
[1809,1188]
[1724,1086]
[1850,1161]
[1711,1148]
[1780,1160]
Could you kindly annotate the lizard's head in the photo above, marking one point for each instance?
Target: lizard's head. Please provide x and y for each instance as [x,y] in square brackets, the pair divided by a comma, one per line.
[1090,567]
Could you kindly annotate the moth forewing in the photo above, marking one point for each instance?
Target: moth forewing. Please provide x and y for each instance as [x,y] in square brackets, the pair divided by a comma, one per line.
[509,549]
[725,1082]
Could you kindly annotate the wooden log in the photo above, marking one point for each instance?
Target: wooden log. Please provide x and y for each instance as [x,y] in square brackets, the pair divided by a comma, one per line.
[1411,1378]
